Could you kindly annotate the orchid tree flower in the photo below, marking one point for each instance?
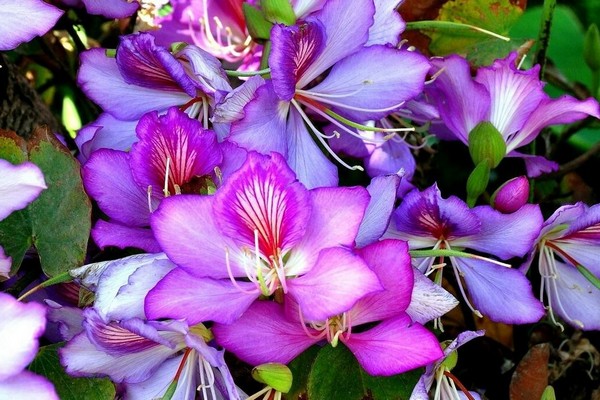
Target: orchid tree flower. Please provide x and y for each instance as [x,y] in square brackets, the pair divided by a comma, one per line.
[366,82]
[512,100]
[269,332]
[19,186]
[427,221]
[40,16]
[115,335]
[439,373]
[216,26]
[21,324]
[174,154]
[568,253]
[262,234]
[144,77]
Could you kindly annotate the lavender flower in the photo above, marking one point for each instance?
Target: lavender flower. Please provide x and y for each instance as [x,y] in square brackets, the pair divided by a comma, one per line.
[262,233]
[40,16]
[568,250]
[426,220]
[512,100]
[269,333]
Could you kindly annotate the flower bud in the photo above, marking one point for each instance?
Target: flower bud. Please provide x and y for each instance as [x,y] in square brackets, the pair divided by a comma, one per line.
[277,376]
[487,144]
[511,196]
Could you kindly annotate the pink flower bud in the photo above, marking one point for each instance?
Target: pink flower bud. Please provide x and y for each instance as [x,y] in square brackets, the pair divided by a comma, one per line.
[511,196]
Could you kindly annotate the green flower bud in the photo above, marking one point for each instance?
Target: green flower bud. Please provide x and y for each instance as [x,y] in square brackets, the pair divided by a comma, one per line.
[277,376]
[486,144]
[258,26]
[279,11]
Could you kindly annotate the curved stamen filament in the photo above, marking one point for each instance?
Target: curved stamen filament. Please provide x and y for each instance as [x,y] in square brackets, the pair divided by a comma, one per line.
[232,278]
[325,100]
[320,138]
[207,379]
[317,327]
[457,273]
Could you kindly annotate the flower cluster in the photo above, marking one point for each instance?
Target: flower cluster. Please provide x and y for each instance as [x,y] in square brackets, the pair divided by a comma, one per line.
[226,185]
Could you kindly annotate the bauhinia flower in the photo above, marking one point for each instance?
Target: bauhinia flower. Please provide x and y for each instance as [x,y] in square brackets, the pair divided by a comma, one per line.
[568,261]
[116,335]
[269,332]
[21,324]
[174,155]
[366,81]
[19,186]
[512,100]
[427,221]
[262,233]
[439,373]
[144,77]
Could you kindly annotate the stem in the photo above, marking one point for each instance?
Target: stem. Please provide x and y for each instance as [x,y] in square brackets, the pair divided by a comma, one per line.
[248,73]
[61,278]
[544,35]
[448,25]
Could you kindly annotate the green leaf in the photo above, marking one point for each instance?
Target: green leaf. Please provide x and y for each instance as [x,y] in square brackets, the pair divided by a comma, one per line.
[497,16]
[58,222]
[279,11]
[68,388]
[301,367]
[258,26]
[336,375]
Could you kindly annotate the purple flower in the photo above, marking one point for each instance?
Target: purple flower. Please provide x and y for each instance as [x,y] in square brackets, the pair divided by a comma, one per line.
[437,372]
[116,335]
[512,100]
[145,77]
[216,26]
[427,221]
[268,333]
[357,87]
[19,186]
[174,155]
[262,233]
[40,17]
[570,240]
[21,324]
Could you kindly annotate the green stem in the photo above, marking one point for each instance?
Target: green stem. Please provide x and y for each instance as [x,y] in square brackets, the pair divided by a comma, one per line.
[61,278]
[248,73]
[448,25]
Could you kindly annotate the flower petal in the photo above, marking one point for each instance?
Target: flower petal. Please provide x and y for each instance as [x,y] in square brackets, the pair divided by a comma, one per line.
[370,83]
[112,9]
[19,186]
[500,293]
[394,346]
[263,198]
[388,24]
[346,31]
[263,334]
[107,234]
[305,158]
[263,126]
[334,284]
[190,151]
[505,235]
[390,261]
[21,326]
[180,295]
[106,132]
[107,178]
[428,301]
[100,79]
[185,226]
[462,102]
[293,50]
[40,18]
[379,212]
[27,385]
